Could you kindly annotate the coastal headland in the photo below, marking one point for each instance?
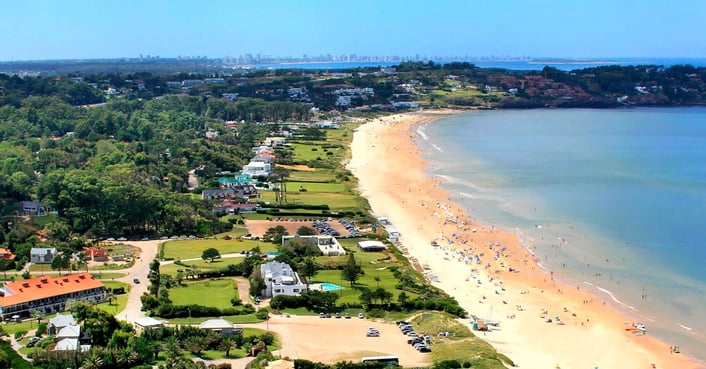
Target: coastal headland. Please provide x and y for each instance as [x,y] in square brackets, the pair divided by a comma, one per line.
[542,322]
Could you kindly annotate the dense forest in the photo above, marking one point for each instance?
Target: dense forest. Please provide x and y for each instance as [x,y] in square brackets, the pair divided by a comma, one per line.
[121,168]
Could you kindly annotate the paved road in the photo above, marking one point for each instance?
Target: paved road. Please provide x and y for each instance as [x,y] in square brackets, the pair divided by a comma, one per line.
[139,270]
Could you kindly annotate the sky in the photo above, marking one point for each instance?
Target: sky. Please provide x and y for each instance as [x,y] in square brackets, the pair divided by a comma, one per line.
[87,29]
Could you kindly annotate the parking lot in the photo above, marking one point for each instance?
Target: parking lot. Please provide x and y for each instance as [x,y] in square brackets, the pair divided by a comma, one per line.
[343,339]
[259,227]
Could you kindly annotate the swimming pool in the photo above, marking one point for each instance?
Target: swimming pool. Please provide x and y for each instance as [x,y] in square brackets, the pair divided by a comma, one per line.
[330,287]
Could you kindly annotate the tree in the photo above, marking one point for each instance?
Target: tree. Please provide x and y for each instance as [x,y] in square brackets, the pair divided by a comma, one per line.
[308,268]
[227,344]
[39,315]
[92,361]
[60,261]
[210,254]
[275,234]
[306,231]
[351,271]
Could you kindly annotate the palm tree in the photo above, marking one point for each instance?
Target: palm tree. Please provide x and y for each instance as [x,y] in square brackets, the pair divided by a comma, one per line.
[92,361]
[125,358]
[39,315]
[110,296]
[228,344]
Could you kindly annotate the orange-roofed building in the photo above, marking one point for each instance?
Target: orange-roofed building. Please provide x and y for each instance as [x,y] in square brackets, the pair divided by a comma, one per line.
[48,294]
[96,253]
[6,254]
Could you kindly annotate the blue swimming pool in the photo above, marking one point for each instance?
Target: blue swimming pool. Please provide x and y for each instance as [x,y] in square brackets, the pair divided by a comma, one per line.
[330,287]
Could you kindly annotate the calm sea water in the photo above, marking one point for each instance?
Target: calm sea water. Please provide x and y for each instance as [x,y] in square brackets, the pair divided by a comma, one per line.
[611,200]
[502,64]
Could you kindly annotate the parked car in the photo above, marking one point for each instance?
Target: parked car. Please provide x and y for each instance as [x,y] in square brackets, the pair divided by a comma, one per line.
[424,348]
[414,340]
[372,332]
[361,316]
[322,315]
[136,281]
[348,315]
[338,315]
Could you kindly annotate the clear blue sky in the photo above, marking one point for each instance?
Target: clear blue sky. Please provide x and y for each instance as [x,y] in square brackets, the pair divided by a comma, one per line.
[68,29]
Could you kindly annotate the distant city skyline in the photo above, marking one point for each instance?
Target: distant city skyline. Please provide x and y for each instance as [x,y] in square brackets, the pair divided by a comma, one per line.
[96,29]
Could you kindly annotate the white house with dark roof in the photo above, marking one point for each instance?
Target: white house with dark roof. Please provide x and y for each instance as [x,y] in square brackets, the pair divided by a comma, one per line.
[281,279]
[40,255]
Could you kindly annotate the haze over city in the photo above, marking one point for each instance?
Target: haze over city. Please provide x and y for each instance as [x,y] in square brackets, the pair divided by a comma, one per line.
[84,29]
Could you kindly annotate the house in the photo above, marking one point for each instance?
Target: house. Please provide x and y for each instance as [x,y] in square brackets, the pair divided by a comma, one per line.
[229,207]
[280,279]
[40,255]
[146,323]
[49,294]
[217,194]
[72,338]
[327,125]
[257,169]
[221,326]
[328,245]
[274,141]
[60,321]
[6,254]
[371,246]
[33,208]
[96,253]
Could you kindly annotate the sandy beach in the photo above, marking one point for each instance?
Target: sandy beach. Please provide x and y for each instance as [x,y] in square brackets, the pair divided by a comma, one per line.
[542,323]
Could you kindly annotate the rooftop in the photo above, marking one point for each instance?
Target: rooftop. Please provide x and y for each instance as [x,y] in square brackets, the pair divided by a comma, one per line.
[32,289]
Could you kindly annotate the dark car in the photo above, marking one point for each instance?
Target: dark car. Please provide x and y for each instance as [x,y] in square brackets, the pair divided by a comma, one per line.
[136,281]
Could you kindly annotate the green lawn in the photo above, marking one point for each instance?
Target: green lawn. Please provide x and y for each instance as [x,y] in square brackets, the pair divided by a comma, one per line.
[335,201]
[216,293]
[121,300]
[188,249]
[203,265]
[351,295]
[316,187]
[319,174]
[107,275]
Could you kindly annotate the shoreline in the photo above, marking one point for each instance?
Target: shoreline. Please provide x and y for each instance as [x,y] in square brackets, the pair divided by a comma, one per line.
[489,271]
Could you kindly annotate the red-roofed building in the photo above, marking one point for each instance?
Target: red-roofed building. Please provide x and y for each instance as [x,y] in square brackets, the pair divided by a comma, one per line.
[48,294]
[6,254]
[96,253]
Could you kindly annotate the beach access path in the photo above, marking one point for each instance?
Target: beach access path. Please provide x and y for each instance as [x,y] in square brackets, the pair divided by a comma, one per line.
[472,263]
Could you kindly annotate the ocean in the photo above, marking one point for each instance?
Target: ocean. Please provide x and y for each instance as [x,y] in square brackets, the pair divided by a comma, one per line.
[611,200]
[561,64]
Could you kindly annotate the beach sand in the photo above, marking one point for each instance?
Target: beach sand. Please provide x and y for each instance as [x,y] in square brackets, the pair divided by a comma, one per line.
[588,334]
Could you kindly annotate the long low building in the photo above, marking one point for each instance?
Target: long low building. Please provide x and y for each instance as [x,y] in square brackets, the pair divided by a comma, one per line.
[328,245]
[48,294]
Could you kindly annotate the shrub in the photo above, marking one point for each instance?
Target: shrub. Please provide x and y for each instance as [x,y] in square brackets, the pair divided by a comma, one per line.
[41,328]
[20,334]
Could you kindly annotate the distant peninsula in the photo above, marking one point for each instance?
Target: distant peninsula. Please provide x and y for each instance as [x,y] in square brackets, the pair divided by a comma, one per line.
[407,85]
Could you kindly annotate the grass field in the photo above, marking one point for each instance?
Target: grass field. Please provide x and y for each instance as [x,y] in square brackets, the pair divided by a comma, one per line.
[464,346]
[202,265]
[188,249]
[121,300]
[216,293]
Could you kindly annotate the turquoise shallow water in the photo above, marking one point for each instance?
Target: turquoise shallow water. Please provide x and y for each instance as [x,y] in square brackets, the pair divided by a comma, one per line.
[612,200]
